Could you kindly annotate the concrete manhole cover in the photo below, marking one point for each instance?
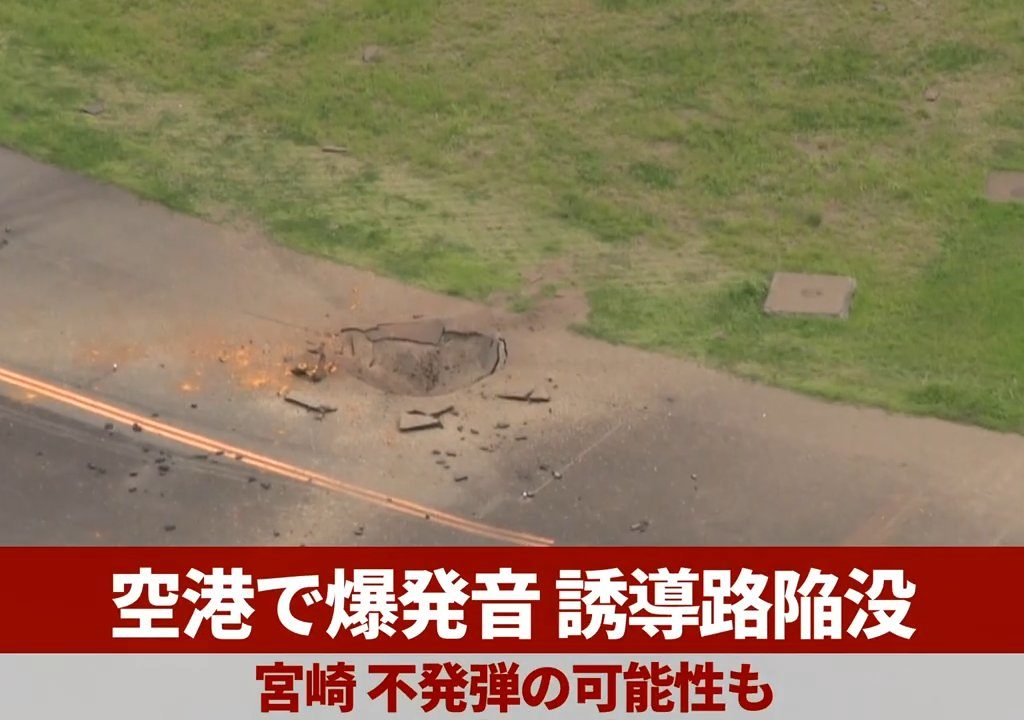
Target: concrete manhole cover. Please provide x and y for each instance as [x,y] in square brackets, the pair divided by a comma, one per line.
[799,294]
[1005,186]
[420,358]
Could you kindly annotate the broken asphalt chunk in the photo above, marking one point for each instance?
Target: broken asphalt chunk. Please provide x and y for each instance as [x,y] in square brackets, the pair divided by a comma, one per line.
[317,408]
[410,422]
[435,412]
[532,395]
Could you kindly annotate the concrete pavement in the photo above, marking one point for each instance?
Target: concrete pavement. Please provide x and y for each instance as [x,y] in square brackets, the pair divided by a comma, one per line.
[202,323]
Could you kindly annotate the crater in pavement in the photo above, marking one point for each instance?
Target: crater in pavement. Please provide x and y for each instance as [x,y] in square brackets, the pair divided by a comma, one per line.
[426,357]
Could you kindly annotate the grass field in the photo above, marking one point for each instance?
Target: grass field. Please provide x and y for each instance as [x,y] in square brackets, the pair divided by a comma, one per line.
[664,157]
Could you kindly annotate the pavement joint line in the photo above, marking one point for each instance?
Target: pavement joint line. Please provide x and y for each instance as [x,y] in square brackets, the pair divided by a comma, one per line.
[268,464]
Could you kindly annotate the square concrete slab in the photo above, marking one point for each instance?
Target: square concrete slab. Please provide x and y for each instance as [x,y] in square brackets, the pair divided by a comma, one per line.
[1005,186]
[799,294]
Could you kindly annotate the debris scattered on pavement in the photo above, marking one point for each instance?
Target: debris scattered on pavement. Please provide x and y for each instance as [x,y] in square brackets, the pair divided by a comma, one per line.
[461,478]
[693,476]
[410,422]
[96,469]
[136,427]
[640,526]
[319,409]
[265,485]
[108,426]
[527,494]
[358,531]
[450,453]
[132,489]
[556,475]
[520,438]
[502,426]
[170,528]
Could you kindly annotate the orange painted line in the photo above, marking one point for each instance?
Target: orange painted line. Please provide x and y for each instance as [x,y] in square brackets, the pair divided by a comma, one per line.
[268,464]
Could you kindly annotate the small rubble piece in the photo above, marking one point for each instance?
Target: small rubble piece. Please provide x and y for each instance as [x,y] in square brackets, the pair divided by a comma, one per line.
[931,94]
[96,469]
[136,427]
[528,494]
[816,295]
[532,395]
[108,427]
[371,53]
[411,421]
[1005,186]
[319,409]
[316,372]
[94,109]
[556,474]
[461,478]
[358,531]
[502,426]
[640,526]
[438,412]
[170,528]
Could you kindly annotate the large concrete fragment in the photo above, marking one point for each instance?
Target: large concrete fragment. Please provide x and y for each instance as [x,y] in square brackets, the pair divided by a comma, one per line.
[816,295]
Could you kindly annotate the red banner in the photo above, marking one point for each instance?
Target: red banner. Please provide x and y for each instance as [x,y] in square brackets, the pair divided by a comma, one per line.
[510,600]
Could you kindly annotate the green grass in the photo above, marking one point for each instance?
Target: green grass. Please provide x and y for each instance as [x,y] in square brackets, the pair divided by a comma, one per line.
[670,154]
